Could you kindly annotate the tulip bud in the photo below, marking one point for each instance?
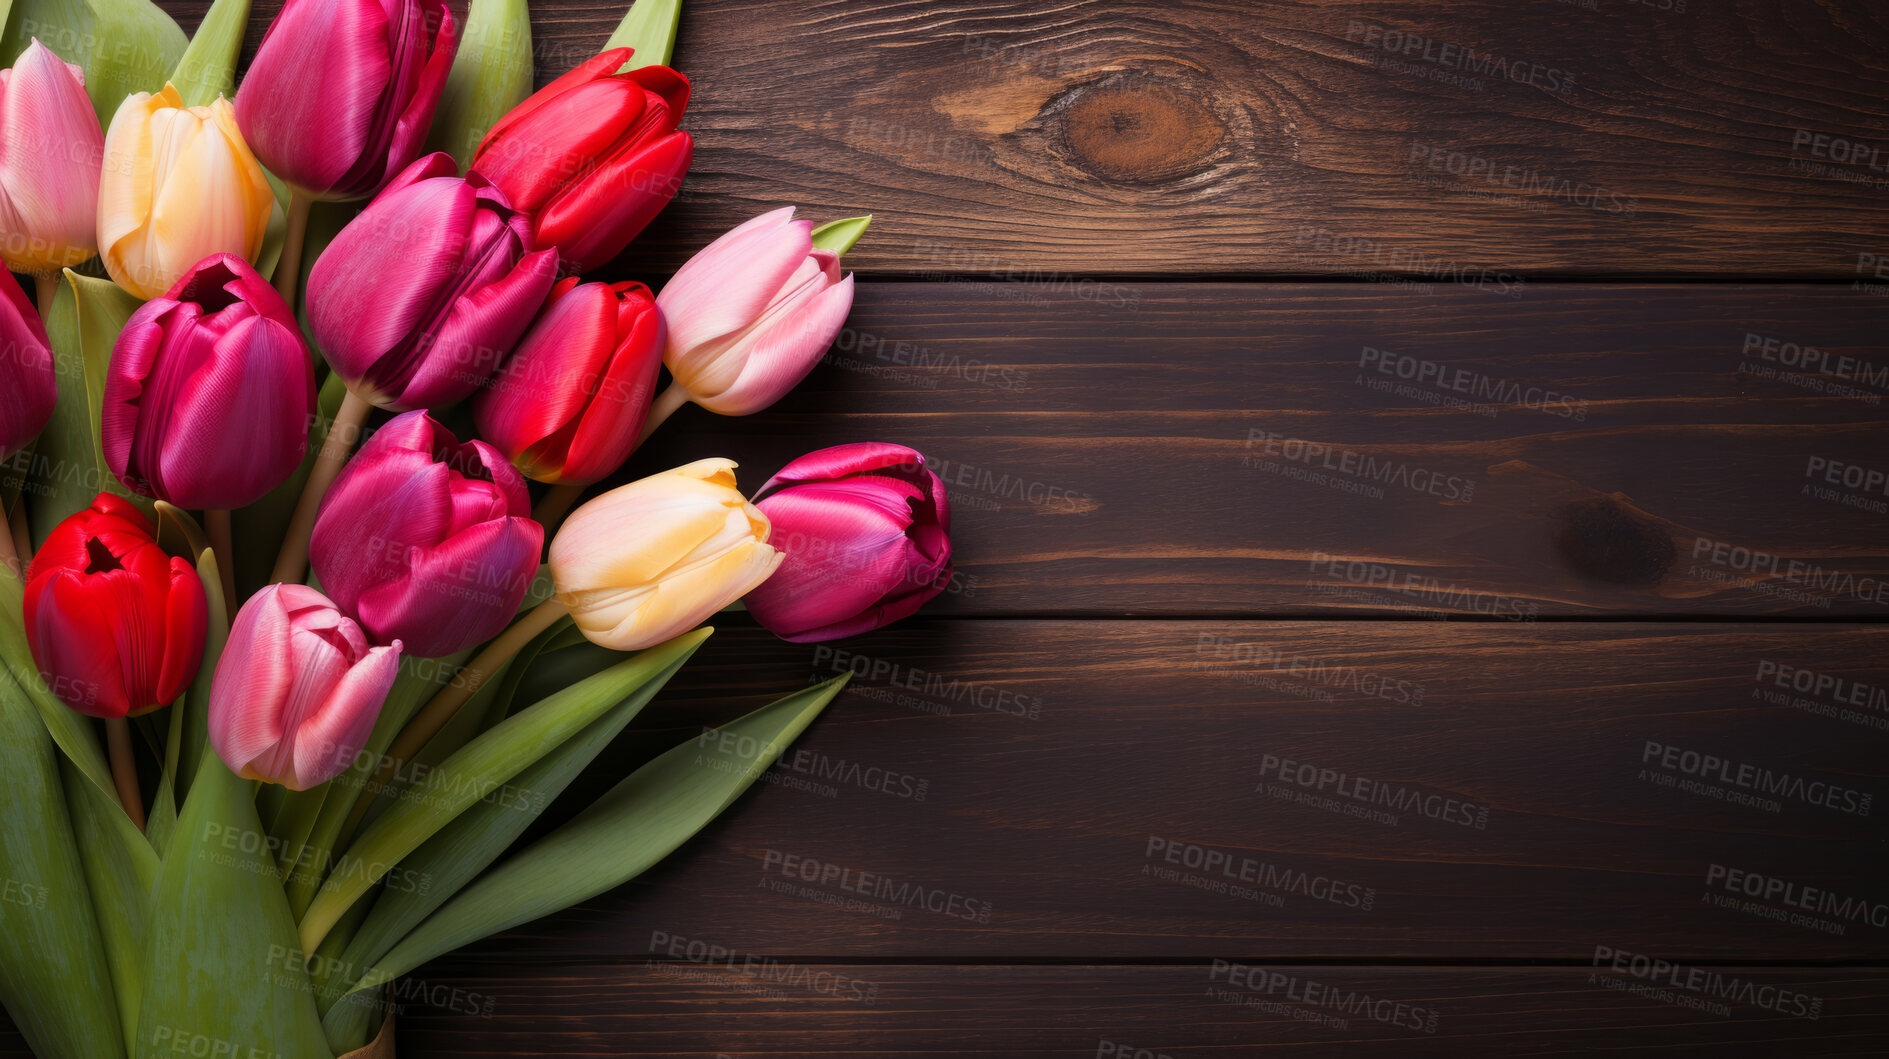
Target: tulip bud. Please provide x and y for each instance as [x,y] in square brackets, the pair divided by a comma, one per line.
[116,626]
[593,156]
[298,689]
[569,403]
[648,561]
[27,385]
[426,540]
[341,92]
[179,185]
[210,391]
[866,531]
[50,147]
[752,313]
[419,298]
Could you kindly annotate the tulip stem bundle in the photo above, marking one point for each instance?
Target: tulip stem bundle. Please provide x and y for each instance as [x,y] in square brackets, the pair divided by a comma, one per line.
[434,715]
[292,564]
[288,268]
[124,768]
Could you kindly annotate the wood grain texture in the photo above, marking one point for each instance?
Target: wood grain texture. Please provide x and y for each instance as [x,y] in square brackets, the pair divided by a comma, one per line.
[1101,791]
[1234,136]
[1314,448]
[682,1009]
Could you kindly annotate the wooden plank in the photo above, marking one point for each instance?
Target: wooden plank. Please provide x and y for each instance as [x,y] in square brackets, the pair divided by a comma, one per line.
[1318,448]
[1183,790]
[708,1009]
[1457,138]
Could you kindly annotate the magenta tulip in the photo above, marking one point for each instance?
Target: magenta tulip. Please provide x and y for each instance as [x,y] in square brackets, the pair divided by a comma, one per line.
[419,298]
[27,386]
[298,689]
[751,314]
[210,391]
[426,540]
[342,92]
[569,404]
[866,530]
[116,625]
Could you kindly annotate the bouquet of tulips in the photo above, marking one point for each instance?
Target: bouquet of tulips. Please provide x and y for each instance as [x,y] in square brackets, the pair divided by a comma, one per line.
[293,655]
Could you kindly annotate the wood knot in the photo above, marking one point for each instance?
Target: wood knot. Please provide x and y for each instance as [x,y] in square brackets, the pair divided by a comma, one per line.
[1602,539]
[1132,129]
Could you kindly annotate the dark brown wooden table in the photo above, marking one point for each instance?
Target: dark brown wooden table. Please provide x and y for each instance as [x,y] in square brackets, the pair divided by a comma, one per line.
[1418,473]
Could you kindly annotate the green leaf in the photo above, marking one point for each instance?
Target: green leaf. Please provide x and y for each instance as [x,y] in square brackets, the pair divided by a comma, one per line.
[840,236]
[222,972]
[123,46]
[54,978]
[208,68]
[480,768]
[419,679]
[638,823]
[120,869]
[649,26]
[70,463]
[491,74]
[461,850]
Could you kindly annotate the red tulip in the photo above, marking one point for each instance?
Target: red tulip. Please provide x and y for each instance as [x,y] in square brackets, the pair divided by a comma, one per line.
[569,404]
[210,390]
[592,156]
[27,386]
[115,625]
[425,540]
[342,92]
[419,298]
[866,531]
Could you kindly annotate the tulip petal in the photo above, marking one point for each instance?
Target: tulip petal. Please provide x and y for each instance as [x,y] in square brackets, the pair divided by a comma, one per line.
[423,227]
[73,643]
[308,101]
[845,550]
[479,329]
[782,350]
[50,155]
[252,680]
[328,740]
[729,283]
[600,65]
[591,220]
[457,594]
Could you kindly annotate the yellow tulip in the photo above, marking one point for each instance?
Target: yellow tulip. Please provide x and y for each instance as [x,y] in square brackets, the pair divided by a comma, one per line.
[179,185]
[648,561]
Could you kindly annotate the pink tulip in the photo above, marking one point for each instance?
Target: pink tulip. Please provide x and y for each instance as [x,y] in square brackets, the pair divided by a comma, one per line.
[750,315]
[51,150]
[866,530]
[419,298]
[298,689]
[426,540]
[27,386]
[569,404]
[210,390]
[342,92]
